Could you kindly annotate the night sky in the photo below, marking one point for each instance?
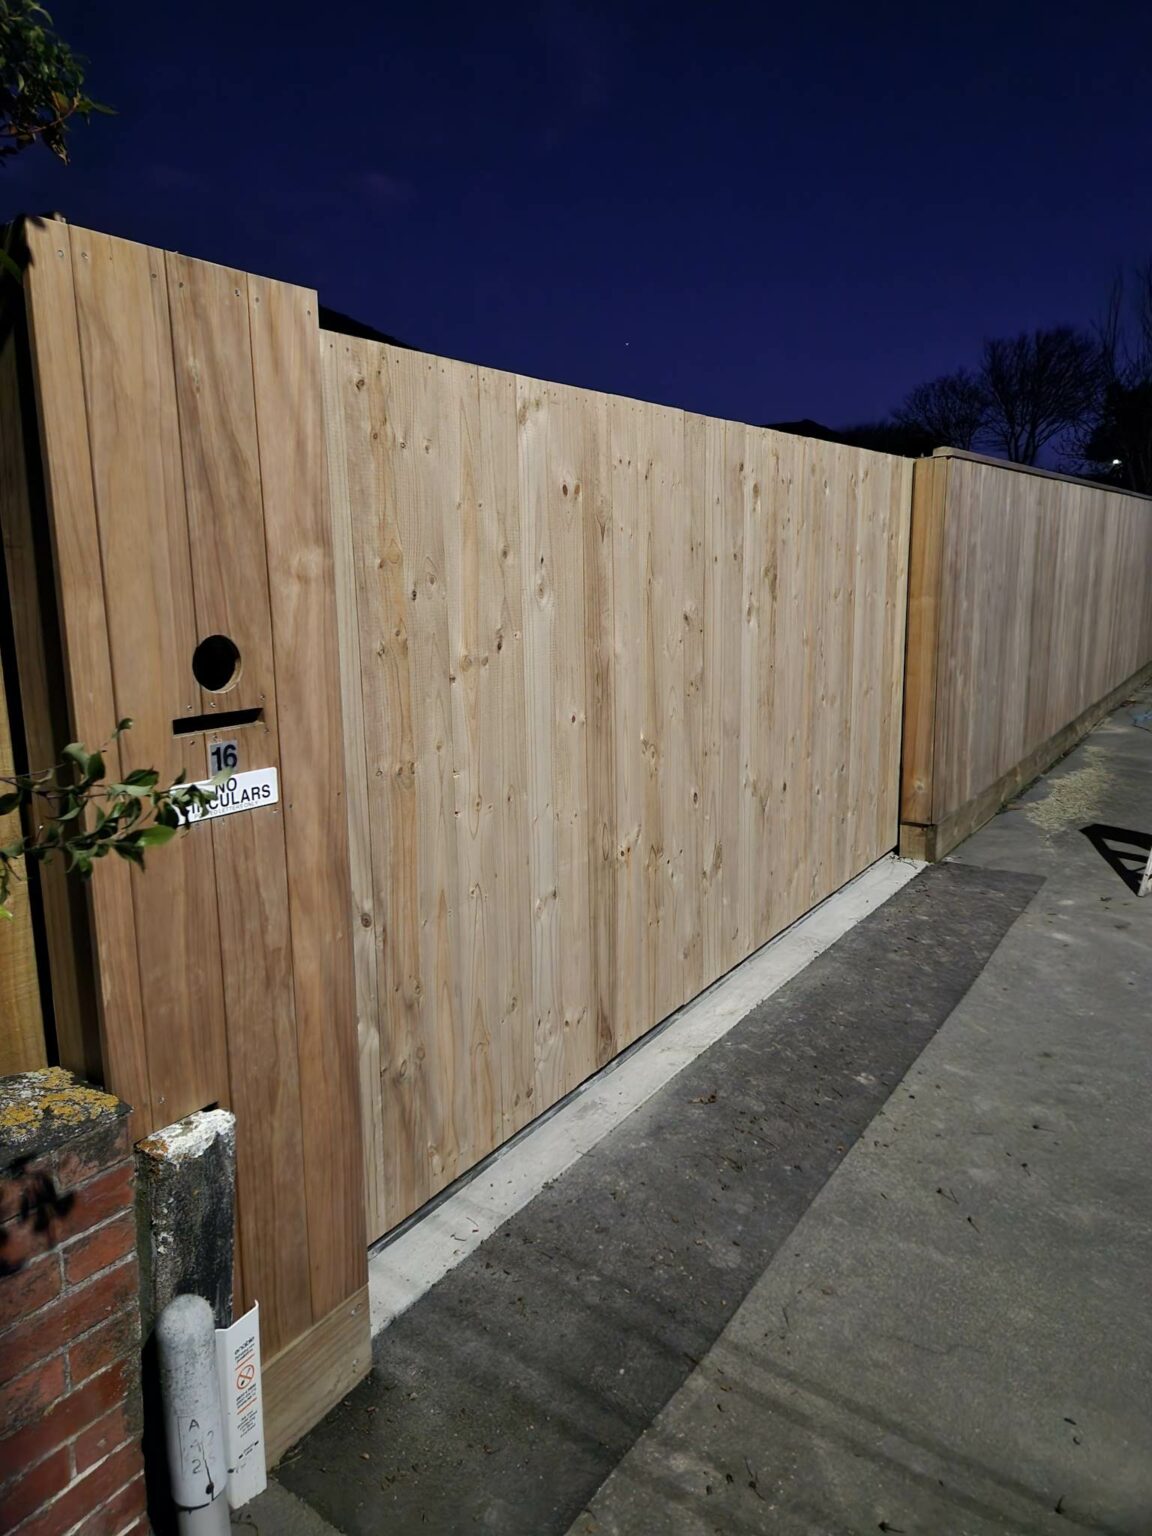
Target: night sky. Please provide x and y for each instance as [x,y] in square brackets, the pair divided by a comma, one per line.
[752,211]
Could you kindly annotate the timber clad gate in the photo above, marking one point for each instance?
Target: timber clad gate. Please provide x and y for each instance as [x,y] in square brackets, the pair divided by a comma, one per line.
[573,701]
[182,445]
[622,694]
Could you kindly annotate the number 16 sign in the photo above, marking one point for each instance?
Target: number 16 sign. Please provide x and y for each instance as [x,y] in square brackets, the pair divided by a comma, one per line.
[222,755]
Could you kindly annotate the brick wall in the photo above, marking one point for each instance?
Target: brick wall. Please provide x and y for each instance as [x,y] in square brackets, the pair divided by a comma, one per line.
[70,1415]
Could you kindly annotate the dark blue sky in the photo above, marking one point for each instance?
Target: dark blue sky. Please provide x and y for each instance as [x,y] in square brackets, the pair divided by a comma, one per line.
[755,212]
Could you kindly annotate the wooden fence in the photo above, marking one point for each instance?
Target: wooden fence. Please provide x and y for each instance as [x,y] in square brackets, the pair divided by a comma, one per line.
[574,702]
[184,495]
[622,700]
[1030,617]
[22,1043]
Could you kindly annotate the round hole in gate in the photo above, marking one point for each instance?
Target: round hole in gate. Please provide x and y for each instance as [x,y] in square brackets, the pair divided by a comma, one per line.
[216,664]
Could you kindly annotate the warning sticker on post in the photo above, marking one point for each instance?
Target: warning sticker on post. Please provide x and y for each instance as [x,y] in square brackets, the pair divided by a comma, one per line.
[238,1367]
[239,792]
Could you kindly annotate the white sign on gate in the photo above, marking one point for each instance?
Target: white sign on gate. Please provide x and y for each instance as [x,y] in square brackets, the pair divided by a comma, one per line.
[248,791]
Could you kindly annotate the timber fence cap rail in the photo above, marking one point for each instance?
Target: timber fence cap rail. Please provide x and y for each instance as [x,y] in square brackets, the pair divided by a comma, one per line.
[1031,469]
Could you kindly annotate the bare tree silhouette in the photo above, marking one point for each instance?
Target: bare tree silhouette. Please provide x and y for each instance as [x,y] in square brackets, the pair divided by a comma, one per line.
[1117,444]
[1040,385]
[951,410]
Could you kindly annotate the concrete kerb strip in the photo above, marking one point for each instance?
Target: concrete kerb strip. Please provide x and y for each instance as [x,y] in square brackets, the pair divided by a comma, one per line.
[276,1512]
[404,1267]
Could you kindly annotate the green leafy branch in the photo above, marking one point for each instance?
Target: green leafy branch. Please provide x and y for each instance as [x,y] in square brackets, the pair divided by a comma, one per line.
[82,818]
[41,82]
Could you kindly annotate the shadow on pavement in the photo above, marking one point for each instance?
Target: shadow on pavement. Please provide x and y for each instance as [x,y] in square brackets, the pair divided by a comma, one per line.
[1129,859]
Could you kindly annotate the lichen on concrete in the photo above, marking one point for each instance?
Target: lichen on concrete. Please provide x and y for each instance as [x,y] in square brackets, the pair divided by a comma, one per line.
[186,1213]
[40,1109]
[190,1137]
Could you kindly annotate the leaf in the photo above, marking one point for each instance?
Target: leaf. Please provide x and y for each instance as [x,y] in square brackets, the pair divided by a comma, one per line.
[123,725]
[144,778]
[131,852]
[156,835]
[81,862]
[12,802]
[95,768]
[78,752]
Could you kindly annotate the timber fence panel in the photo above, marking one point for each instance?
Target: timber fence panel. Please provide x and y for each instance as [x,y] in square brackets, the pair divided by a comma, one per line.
[625,687]
[1030,610]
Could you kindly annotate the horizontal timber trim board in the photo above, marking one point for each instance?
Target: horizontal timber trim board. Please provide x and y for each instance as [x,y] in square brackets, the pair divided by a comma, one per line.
[934,842]
[316,1370]
[1031,469]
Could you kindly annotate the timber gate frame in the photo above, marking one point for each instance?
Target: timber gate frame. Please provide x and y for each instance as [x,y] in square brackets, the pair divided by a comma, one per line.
[163,481]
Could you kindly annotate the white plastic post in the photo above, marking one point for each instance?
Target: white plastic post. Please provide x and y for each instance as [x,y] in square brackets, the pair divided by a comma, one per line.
[186,1345]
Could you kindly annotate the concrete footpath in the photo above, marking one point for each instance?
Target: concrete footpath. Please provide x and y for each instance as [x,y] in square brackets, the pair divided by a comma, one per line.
[879,1259]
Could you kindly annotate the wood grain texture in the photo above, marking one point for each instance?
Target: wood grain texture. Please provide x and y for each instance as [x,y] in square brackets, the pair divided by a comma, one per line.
[431,1065]
[670,731]
[922,650]
[187,490]
[21,1021]
[1030,600]
[58,382]
[633,984]
[349,467]
[126,351]
[723,693]
[22,1046]
[491,754]
[36,672]
[302,1382]
[394,1088]
[293,471]
[593,488]
[553,433]
[226,536]
[888,521]
[672,646]
[894,496]
[471,569]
